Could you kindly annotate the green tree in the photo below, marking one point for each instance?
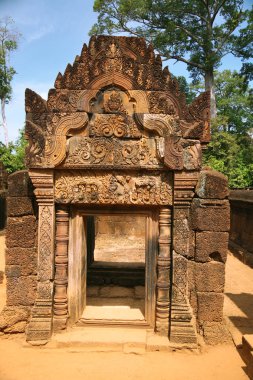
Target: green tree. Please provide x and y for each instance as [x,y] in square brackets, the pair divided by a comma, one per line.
[234,103]
[197,32]
[8,42]
[13,155]
[231,148]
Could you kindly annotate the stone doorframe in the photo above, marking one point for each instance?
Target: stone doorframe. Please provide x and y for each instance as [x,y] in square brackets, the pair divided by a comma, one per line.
[71,288]
[78,260]
[173,317]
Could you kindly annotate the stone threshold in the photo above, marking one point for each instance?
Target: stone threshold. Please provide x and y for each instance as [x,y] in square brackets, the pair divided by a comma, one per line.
[134,340]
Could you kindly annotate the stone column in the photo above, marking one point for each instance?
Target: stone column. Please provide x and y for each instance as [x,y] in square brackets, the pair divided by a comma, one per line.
[163,272]
[181,326]
[40,326]
[61,268]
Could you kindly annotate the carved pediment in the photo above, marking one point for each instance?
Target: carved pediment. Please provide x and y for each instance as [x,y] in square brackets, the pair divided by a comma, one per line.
[116,90]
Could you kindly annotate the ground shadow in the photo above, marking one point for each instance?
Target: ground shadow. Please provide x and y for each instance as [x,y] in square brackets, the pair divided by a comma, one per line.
[245,303]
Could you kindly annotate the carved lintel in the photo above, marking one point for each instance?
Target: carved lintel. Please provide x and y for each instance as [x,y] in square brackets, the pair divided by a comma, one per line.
[163,272]
[104,187]
[40,326]
[61,268]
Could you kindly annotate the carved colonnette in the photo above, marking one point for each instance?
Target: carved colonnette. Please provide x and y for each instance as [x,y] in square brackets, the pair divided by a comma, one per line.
[164,273]
[40,326]
[61,268]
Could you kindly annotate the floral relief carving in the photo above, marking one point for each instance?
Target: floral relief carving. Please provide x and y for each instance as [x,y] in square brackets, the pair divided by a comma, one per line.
[112,152]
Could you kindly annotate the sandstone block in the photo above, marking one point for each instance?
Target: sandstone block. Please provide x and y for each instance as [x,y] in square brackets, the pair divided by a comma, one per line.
[25,258]
[19,184]
[21,291]
[12,315]
[19,327]
[191,275]
[21,232]
[210,306]
[212,185]
[215,333]
[211,246]
[210,215]
[210,277]
[19,206]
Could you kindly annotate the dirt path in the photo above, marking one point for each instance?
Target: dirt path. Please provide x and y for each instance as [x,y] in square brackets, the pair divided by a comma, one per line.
[20,362]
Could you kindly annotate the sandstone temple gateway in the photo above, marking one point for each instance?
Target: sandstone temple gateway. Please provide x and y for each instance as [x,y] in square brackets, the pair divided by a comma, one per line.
[114,162]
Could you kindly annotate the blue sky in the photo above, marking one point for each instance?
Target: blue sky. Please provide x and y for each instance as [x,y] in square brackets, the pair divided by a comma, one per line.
[53,32]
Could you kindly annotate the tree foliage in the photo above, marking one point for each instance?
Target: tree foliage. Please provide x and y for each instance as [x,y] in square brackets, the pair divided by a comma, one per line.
[231,148]
[197,32]
[8,43]
[13,155]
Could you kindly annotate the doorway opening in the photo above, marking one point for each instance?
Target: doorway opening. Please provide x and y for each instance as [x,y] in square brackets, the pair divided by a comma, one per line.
[112,267]
[116,256]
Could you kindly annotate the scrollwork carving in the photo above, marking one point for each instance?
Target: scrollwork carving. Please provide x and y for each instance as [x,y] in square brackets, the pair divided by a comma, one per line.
[84,151]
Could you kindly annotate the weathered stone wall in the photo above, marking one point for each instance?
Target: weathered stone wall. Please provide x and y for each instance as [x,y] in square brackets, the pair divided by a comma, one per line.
[210,221]
[21,254]
[241,232]
[3,194]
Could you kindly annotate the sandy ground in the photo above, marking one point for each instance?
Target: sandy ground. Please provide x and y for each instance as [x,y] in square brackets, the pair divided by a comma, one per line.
[21,362]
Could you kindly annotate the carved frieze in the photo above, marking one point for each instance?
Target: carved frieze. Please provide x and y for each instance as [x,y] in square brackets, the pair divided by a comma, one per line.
[85,187]
[85,151]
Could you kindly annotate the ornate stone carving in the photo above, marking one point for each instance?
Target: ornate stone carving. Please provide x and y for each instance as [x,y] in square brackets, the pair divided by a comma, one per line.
[163,272]
[161,103]
[181,328]
[61,268]
[184,186]
[113,126]
[113,103]
[40,326]
[34,103]
[120,123]
[173,152]
[114,153]
[113,188]
[36,144]
[63,100]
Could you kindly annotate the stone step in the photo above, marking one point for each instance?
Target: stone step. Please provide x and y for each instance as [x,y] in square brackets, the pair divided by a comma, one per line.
[134,340]
[101,339]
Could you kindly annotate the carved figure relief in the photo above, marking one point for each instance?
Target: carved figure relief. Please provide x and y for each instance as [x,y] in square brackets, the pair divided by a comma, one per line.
[113,188]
